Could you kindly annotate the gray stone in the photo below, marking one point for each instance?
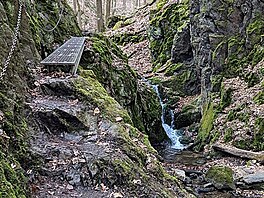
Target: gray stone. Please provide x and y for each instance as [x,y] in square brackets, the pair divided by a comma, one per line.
[254,178]
[180,173]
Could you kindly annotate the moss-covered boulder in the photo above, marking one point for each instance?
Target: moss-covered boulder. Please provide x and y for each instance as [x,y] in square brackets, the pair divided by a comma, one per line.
[13,90]
[111,153]
[111,68]
[221,177]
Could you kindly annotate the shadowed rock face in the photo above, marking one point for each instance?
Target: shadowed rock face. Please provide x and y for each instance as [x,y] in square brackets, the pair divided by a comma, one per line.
[13,90]
[111,68]
[223,34]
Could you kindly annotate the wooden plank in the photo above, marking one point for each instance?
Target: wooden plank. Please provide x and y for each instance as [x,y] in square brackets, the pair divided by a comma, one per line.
[68,54]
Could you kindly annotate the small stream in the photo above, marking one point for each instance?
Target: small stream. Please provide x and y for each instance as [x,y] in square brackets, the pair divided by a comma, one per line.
[173,134]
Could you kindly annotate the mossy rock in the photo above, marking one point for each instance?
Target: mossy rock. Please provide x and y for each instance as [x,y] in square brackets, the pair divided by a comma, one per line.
[130,37]
[206,126]
[256,141]
[221,177]
[111,68]
[184,82]
[44,16]
[13,183]
[163,27]
[225,98]
[190,114]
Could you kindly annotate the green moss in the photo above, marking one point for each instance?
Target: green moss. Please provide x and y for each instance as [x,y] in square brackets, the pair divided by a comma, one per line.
[40,23]
[163,27]
[118,25]
[259,98]
[226,98]
[155,80]
[171,69]
[242,52]
[179,81]
[221,176]
[131,37]
[91,90]
[12,181]
[256,141]
[206,125]
[228,135]
[252,79]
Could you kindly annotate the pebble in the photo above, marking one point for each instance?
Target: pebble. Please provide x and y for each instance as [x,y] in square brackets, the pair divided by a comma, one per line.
[70,187]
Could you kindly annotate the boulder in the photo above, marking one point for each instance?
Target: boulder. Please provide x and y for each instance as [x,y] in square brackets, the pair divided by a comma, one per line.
[221,177]
[254,178]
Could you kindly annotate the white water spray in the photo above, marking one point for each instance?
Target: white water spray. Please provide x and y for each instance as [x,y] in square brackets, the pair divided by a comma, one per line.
[173,134]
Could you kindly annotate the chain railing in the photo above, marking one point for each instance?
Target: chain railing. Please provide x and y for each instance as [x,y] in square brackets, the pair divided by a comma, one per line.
[14,42]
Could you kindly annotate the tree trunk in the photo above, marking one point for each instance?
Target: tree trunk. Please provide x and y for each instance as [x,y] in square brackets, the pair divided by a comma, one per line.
[100,21]
[136,4]
[75,6]
[113,7]
[107,9]
[79,14]
[239,152]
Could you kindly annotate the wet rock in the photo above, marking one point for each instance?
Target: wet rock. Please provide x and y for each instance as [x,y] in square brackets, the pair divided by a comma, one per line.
[254,178]
[221,177]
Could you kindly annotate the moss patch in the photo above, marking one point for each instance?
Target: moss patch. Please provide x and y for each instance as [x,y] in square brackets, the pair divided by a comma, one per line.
[91,90]
[206,126]
[163,27]
[221,177]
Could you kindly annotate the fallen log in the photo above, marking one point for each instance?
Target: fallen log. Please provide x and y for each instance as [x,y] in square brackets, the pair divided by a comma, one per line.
[259,156]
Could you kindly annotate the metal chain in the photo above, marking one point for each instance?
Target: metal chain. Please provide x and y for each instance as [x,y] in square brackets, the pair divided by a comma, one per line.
[14,42]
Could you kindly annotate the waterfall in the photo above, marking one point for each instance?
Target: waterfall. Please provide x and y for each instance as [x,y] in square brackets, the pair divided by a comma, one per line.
[172,133]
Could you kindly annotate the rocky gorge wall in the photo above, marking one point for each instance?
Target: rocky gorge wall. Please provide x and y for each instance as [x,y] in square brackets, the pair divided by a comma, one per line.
[14,86]
[212,41]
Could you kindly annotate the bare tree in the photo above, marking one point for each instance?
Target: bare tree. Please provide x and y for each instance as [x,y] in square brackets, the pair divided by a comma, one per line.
[136,4]
[77,11]
[99,10]
[79,14]
[113,7]
[107,9]
[75,6]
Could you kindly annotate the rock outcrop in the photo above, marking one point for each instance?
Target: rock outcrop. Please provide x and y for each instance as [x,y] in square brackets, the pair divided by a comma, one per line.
[111,67]
[213,41]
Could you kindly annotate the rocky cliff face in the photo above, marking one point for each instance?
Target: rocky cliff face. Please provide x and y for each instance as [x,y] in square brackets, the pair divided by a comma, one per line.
[14,86]
[216,40]
[225,36]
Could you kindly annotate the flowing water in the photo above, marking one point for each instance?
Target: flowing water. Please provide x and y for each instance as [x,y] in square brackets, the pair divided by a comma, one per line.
[172,133]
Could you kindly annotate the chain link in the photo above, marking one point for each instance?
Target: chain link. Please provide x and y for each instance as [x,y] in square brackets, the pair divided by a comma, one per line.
[14,42]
